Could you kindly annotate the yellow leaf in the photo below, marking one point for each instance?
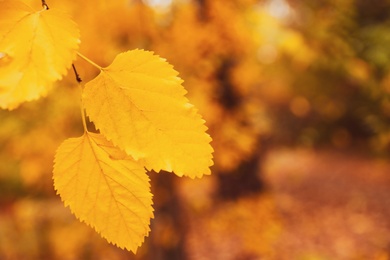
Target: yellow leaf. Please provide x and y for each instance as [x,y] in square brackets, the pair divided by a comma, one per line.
[138,102]
[36,49]
[111,195]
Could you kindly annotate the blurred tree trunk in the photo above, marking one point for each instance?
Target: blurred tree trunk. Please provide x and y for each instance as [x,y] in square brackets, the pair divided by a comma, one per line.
[166,240]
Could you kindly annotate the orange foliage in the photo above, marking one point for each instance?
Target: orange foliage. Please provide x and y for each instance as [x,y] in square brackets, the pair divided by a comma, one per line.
[262,74]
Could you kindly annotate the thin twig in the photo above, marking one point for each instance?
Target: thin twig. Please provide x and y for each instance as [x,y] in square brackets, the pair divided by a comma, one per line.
[44,5]
[79,80]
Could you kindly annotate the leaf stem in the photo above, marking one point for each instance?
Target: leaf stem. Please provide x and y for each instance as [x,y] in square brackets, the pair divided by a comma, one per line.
[78,79]
[83,117]
[89,61]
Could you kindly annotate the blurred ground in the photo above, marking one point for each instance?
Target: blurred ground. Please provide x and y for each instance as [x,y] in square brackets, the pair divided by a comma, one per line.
[333,205]
[320,205]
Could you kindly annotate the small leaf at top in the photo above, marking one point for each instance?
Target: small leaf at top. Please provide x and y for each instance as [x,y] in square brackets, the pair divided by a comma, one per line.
[110,194]
[138,102]
[36,49]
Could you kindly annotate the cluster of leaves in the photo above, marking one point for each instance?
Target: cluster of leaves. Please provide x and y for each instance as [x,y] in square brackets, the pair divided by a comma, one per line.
[138,105]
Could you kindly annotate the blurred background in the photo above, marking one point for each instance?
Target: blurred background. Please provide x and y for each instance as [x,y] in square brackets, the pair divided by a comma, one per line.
[296,98]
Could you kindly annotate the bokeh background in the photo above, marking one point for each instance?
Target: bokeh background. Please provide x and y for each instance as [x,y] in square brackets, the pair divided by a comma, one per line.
[296,98]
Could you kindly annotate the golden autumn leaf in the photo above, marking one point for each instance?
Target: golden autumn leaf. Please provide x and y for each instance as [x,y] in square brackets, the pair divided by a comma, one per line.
[138,102]
[105,188]
[36,49]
